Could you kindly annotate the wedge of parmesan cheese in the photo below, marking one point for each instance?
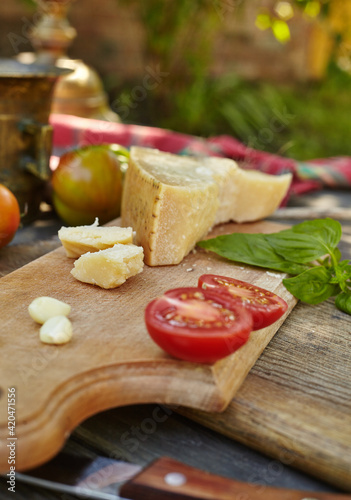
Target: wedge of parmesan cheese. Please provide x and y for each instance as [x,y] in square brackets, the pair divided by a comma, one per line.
[170,201]
[173,201]
[81,239]
[109,268]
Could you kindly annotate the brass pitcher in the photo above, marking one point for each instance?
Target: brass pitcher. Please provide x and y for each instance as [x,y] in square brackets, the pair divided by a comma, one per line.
[26,92]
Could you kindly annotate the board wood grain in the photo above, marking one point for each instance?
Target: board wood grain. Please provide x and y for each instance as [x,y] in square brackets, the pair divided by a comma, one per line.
[111,360]
[295,404]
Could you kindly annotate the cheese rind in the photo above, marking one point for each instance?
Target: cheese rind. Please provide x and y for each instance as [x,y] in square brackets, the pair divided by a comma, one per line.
[170,204]
[82,239]
[109,268]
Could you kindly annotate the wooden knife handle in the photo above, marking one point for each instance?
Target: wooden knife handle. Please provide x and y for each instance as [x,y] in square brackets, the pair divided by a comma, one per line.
[167,479]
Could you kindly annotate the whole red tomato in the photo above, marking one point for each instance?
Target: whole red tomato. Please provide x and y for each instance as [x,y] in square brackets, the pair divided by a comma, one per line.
[10,215]
[88,184]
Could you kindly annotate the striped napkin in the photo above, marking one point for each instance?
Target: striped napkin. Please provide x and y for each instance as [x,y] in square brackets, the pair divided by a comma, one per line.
[71,132]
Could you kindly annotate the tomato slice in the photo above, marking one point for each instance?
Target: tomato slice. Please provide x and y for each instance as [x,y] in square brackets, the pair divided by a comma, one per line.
[197,325]
[266,307]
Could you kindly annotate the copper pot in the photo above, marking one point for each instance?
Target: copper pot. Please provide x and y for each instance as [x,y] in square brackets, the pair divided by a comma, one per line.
[26,92]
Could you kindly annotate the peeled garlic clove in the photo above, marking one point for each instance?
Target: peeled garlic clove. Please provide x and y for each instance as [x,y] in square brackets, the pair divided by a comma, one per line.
[43,308]
[56,330]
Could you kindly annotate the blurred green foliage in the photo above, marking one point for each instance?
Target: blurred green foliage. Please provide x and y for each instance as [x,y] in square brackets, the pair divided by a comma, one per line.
[302,121]
[29,3]
[280,12]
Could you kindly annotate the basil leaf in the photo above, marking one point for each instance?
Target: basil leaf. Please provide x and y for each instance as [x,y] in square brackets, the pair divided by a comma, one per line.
[326,262]
[327,231]
[307,241]
[337,254]
[343,275]
[251,249]
[297,247]
[345,266]
[293,251]
[343,302]
[312,286]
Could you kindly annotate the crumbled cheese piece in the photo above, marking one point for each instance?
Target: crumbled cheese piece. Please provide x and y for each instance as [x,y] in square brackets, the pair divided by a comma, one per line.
[111,267]
[81,239]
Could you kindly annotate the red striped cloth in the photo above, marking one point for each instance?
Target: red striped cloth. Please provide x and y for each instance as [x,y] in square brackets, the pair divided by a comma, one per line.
[71,132]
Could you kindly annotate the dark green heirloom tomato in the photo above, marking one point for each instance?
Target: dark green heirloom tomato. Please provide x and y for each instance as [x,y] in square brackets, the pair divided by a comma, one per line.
[88,183]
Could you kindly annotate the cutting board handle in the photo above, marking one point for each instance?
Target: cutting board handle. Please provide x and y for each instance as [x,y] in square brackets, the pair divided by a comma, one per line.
[167,479]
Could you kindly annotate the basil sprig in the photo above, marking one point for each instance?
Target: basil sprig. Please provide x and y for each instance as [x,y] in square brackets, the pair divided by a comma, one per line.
[308,251]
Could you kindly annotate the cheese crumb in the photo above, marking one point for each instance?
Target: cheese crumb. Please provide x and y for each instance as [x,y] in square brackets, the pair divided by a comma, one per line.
[274,275]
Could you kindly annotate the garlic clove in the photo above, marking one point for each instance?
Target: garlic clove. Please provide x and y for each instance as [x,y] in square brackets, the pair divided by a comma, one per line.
[43,308]
[56,330]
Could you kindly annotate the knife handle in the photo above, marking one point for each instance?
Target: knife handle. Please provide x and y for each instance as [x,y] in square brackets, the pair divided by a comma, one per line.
[167,479]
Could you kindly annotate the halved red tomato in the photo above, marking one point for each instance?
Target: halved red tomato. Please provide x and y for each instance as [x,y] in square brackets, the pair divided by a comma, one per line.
[266,307]
[197,325]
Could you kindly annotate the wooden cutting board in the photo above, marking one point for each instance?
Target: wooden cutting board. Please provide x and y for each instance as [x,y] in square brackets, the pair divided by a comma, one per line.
[111,360]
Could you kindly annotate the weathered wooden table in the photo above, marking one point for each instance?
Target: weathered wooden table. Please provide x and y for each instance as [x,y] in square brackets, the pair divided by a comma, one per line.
[125,433]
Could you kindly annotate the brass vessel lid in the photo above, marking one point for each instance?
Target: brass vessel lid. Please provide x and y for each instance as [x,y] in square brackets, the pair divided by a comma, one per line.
[78,92]
[13,68]
[81,92]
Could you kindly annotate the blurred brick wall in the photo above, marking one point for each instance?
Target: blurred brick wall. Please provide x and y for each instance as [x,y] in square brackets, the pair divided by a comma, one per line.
[243,48]
[110,39]
[14,23]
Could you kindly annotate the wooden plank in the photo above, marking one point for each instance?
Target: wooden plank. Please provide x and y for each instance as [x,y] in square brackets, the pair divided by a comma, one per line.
[111,360]
[142,433]
[295,405]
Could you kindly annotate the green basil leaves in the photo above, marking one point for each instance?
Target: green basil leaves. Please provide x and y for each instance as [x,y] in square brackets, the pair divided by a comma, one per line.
[308,251]
[312,286]
[343,302]
[253,249]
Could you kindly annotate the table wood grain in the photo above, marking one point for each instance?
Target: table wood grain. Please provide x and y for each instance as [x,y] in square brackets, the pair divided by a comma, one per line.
[140,433]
